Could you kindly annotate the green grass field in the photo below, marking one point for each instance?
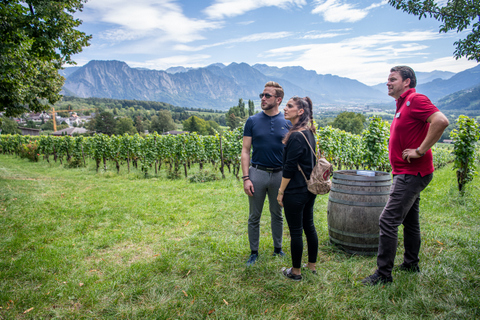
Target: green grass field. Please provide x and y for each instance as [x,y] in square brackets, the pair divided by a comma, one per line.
[79,245]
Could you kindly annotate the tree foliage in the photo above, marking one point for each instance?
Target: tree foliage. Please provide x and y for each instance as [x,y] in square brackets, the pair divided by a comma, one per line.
[125,125]
[456,15]
[9,126]
[105,123]
[238,114]
[349,121]
[37,38]
[196,124]
[464,139]
[162,122]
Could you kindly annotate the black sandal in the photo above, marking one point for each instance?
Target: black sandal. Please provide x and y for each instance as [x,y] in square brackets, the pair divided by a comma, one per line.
[288,273]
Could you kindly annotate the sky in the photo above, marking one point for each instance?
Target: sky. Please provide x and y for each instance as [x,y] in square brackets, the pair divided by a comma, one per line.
[359,40]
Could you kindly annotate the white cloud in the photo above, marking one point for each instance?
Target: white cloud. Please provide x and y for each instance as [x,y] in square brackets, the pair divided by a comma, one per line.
[246,23]
[162,18]
[444,64]
[311,35]
[230,8]
[366,58]
[119,35]
[187,61]
[250,38]
[337,11]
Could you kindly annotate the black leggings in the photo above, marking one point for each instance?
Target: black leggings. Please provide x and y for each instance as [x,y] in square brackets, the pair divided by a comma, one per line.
[299,215]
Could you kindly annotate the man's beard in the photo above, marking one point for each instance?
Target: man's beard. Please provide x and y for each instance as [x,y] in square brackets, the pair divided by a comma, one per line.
[268,106]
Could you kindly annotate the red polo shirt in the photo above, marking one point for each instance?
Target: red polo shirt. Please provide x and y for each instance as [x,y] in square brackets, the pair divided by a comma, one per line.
[408,130]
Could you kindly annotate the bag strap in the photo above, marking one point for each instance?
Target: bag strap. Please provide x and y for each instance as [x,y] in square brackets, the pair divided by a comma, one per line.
[313,152]
[303,174]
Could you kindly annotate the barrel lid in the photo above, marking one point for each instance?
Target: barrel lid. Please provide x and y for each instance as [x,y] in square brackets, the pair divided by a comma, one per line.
[352,175]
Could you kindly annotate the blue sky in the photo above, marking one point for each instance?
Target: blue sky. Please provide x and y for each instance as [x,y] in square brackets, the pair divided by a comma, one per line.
[360,40]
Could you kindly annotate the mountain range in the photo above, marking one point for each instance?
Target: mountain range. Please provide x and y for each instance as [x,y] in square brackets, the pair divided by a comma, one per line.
[218,86]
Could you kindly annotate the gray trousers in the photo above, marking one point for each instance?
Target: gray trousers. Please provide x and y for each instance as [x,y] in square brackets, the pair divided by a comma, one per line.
[402,208]
[264,183]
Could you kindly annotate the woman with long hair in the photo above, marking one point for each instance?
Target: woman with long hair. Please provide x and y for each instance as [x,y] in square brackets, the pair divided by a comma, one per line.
[293,194]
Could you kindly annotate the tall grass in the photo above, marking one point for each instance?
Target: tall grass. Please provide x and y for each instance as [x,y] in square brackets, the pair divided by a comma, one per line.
[79,245]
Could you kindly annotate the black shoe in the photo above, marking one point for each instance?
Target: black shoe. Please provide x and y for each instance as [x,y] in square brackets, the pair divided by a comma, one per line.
[252,259]
[408,267]
[375,279]
[287,272]
[279,254]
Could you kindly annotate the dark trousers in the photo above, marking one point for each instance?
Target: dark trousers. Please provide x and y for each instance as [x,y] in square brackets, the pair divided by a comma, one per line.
[298,208]
[402,208]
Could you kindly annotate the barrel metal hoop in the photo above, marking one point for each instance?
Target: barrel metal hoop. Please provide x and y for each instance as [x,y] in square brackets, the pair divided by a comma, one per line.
[362,184]
[356,235]
[385,177]
[367,193]
[357,245]
[356,203]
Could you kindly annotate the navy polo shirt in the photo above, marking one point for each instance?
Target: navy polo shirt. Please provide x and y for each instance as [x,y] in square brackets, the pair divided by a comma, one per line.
[267,134]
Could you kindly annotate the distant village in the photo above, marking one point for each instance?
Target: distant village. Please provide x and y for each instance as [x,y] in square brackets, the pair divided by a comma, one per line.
[350,108]
[75,123]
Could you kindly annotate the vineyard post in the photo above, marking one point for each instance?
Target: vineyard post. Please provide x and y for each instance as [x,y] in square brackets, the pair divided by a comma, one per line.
[155,148]
[222,163]
[83,156]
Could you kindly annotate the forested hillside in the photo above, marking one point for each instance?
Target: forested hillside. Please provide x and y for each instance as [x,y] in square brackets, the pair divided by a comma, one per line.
[467,101]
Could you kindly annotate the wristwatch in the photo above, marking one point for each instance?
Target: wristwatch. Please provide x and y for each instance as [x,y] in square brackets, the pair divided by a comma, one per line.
[418,152]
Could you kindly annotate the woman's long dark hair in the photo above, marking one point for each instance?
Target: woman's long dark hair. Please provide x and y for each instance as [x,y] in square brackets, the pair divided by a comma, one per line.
[305,121]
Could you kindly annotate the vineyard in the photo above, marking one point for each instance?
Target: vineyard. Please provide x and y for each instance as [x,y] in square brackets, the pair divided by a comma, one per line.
[177,153]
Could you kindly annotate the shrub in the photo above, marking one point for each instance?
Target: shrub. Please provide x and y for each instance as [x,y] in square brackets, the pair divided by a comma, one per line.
[29,151]
[464,140]
[203,176]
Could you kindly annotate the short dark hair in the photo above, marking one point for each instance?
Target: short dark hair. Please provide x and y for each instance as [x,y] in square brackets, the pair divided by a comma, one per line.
[406,73]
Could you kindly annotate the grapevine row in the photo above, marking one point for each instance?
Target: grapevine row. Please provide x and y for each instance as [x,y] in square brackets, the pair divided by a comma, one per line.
[178,152]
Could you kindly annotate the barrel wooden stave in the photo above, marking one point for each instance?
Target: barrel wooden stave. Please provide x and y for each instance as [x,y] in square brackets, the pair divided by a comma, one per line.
[355,204]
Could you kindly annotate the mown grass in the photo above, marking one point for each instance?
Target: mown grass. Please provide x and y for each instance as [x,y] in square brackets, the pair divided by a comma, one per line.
[79,245]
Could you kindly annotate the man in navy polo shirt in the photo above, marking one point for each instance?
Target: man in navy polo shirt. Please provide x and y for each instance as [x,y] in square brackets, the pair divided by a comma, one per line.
[416,127]
[262,176]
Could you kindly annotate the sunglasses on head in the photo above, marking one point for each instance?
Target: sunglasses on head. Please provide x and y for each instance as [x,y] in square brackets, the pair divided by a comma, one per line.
[266,95]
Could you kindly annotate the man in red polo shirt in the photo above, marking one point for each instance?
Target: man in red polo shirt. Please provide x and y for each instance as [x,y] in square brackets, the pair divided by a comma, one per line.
[416,127]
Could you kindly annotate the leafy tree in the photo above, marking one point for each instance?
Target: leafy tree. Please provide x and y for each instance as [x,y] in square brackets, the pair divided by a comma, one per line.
[233,121]
[222,120]
[30,124]
[105,123]
[162,122]
[349,121]
[47,125]
[196,124]
[251,108]
[125,125]
[213,126]
[324,121]
[454,15]
[236,115]
[37,37]
[9,126]
[139,124]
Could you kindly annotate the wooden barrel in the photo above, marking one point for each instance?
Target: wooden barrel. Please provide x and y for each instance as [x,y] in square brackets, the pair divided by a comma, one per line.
[355,203]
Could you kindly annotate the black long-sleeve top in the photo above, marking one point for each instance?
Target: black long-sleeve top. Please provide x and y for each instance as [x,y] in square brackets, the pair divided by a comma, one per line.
[296,152]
